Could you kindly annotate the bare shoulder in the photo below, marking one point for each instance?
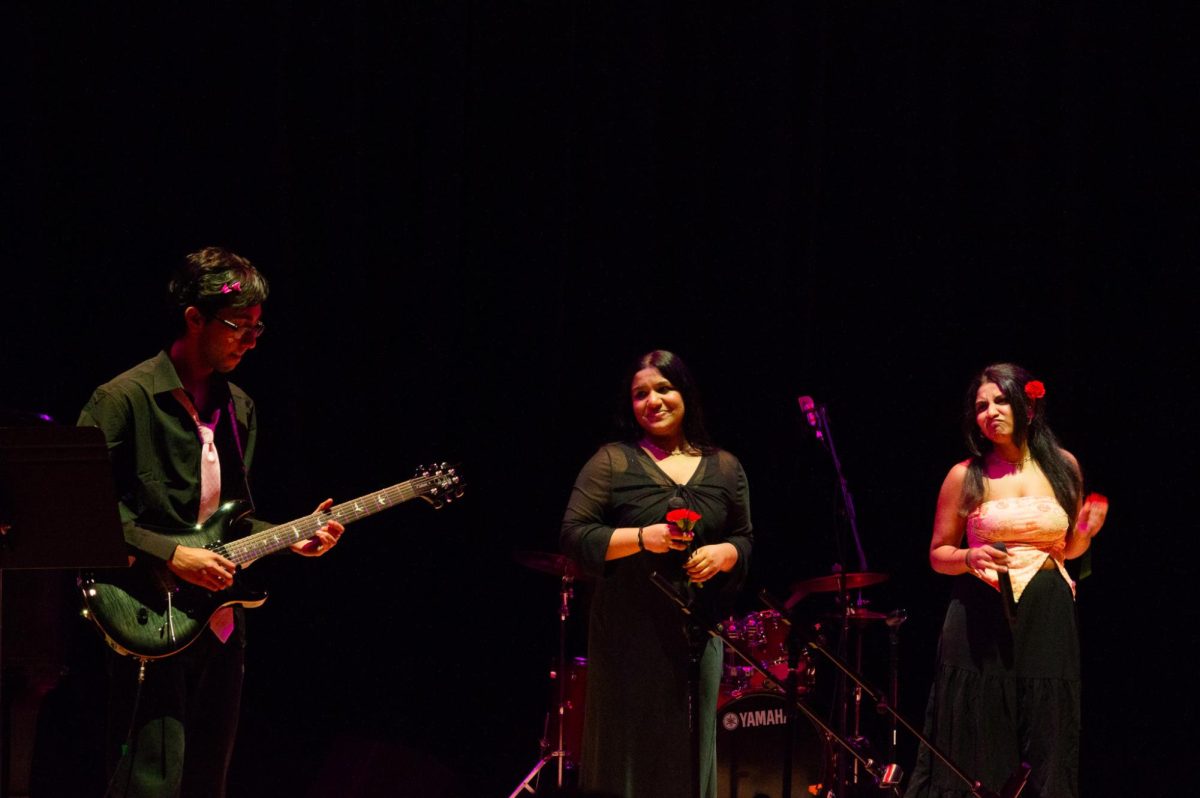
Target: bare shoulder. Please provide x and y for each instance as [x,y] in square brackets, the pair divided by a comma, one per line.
[948,522]
[956,476]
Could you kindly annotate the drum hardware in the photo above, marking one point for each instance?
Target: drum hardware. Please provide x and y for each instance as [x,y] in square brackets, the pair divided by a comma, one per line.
[565,675]
[853,616]
[765,635]
[697,617]
[894,619]
[891,775]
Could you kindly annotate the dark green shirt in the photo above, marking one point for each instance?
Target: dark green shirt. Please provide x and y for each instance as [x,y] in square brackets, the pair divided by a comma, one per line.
[155,450]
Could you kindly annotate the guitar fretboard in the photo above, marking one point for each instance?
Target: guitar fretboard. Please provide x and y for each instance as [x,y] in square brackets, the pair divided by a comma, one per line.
[277,538]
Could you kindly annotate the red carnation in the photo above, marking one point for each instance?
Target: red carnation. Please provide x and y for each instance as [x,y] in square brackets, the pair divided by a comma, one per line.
[684,520]
[1034,389]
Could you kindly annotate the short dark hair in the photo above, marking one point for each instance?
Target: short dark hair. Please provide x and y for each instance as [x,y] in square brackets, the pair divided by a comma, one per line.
[671,366]
[213,278]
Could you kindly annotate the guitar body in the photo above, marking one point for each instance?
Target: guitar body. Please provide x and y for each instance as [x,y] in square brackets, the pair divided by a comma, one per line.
[145,611]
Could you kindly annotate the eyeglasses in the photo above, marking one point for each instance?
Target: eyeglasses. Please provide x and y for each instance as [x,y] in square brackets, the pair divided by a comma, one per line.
[242,331]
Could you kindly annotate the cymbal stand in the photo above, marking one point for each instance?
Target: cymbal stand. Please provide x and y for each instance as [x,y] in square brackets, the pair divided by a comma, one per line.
[890,776]
[565,594]
[893,621]
[791,694]
[851,640]
[700,619]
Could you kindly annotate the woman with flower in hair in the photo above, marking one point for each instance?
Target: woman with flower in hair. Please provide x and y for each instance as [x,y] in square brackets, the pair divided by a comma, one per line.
[1006,690]
[663,500]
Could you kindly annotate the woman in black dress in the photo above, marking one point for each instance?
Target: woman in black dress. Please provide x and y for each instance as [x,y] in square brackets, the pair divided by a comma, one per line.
[636,734]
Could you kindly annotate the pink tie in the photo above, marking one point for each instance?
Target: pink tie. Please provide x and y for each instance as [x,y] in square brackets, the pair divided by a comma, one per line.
[210,470]
[221,622]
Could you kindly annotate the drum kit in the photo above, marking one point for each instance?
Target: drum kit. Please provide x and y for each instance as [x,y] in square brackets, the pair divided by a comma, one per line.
[751,728]
[753,757]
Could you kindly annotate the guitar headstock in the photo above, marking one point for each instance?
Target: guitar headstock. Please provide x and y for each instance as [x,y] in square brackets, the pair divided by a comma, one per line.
[442,484]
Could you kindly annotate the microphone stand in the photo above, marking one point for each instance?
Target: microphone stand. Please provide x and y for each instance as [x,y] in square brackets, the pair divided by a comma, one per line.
[891,775]
[696,644]
[820,421]
[699,620]
[826,437]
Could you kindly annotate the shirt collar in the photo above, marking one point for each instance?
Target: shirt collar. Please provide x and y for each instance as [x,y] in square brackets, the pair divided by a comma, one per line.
[166,379]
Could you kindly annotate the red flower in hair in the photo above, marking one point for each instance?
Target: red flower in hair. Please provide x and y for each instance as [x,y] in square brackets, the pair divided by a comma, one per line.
[1034,389]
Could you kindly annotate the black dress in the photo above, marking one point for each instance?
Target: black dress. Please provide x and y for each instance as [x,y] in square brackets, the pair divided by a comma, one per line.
[636,741]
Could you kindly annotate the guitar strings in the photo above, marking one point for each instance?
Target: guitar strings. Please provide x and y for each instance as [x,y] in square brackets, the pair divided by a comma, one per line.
[279,537]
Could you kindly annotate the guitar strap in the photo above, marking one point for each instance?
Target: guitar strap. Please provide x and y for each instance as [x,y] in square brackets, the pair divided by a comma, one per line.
[221,622]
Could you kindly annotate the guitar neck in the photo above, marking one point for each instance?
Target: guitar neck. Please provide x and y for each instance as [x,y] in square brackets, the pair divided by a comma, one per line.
[277,538]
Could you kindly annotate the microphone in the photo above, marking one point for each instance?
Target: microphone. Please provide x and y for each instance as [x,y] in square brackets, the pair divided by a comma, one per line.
[809,408]
[1006,591]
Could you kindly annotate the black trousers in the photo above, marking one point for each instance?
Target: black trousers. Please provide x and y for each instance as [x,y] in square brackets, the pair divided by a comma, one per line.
[174,738]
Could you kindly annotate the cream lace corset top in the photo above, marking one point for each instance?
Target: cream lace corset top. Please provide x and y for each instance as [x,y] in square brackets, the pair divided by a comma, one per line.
[1032,527]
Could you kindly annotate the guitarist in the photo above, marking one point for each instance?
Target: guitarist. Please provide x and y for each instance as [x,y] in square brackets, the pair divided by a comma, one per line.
[181,438]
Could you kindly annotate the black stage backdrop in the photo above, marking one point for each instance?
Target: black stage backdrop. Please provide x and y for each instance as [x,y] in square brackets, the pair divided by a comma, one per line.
[474,215]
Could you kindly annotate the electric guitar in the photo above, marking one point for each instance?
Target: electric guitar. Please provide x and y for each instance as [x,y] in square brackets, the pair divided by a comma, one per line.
[145,611]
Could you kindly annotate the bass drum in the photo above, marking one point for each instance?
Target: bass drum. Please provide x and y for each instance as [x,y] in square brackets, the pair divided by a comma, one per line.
[751,733]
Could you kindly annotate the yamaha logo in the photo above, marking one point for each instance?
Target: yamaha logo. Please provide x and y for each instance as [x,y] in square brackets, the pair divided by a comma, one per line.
[761,717]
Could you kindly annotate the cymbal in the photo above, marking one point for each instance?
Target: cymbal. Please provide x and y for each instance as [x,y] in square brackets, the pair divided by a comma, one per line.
[544,561]
[833,582]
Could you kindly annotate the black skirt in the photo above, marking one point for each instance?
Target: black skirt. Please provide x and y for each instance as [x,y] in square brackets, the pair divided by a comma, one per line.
[1004,696]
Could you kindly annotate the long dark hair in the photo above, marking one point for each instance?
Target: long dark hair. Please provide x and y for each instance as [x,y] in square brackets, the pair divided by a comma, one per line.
[671,366]
[1029,426]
